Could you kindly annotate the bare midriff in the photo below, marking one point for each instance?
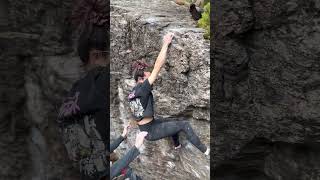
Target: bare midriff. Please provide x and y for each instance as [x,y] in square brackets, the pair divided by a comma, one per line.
[145,120]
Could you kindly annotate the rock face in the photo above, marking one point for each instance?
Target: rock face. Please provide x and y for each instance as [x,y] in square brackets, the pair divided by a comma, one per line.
[38,66]
[266,89]
[182,89]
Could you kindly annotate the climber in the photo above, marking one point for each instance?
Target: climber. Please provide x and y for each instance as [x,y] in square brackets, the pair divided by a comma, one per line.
[82,116]
[120,168]
[141,104]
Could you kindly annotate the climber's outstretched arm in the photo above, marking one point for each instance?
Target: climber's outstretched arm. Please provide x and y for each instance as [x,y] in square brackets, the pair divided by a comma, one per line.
[161,58]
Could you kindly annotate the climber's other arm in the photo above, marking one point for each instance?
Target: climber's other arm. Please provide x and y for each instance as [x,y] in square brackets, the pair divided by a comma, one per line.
[161,58]
[129,157]
[118,141]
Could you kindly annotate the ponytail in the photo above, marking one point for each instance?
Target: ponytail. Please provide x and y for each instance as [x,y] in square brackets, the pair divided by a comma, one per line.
[137,69]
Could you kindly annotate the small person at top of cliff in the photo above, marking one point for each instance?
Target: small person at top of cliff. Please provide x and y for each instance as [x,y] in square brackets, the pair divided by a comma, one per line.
[194,8]
[196,12]
[83,114]
[141,104]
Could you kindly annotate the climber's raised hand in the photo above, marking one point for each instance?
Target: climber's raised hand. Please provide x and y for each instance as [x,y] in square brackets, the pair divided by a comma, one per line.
[168,38]
[161,58]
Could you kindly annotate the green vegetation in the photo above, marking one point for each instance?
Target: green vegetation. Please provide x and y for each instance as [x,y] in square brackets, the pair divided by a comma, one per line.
[204,22]
[206,2]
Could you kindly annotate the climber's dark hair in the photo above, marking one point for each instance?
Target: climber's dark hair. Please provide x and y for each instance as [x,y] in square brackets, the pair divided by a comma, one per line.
[93,38]
[139,73]
[138,68]
[92,20]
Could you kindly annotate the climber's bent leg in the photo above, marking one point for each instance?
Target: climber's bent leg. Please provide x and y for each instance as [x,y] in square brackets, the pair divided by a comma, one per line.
[175,137]
[164,129]
[176,142]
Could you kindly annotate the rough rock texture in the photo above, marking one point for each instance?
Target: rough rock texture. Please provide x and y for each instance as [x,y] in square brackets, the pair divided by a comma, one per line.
[266,88]
[47,80]
[38,66]
[182,89]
